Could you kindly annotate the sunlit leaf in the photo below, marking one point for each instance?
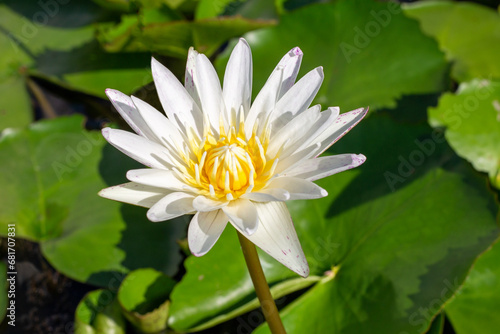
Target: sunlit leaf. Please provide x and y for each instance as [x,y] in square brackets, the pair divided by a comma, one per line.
[366,58]
[144,298]
[52,172]
[398,234]
[468,33]
[472,309]
[99,312]
[472,121]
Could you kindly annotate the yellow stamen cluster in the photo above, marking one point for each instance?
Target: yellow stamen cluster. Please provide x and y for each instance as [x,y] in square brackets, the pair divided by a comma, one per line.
[229,166]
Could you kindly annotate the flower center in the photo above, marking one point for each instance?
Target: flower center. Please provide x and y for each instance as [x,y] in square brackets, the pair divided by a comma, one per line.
[230,166]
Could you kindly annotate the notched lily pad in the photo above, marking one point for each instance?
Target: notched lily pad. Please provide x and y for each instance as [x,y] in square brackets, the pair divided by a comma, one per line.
[144,297]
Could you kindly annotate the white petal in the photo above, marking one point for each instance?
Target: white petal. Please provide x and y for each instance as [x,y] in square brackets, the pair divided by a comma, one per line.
[189,81]
[318,168]
[294,131]
[238,79]
[296,158]
[146,152]
[176,101]
[279,82]
[208,85]
[134,193]
[159,178]
[343,124]
[162,127]
[265,102]
[204,204]
[171,206]
[204,231]
[310,133]
[298,188]
[129,113]
[242,215]
[297,99]
[277,237]
[268,195]
[291,65]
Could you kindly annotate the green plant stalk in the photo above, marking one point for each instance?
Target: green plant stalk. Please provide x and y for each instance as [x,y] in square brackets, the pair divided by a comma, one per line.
[261,287]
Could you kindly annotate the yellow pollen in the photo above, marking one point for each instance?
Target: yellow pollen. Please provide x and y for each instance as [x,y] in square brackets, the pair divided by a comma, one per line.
[230,166]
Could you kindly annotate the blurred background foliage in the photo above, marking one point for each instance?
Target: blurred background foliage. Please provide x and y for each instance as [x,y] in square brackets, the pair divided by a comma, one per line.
[407,243]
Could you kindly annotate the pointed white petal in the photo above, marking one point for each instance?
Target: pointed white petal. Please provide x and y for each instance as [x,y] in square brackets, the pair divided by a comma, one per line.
[309,134]
[297,99]
[279,82]
[171,206]
[208,85]
[318,168]
[238,79]
[128,112]
[163,129]
[343,124]
[204,231]
[204,204]
[134,193]
[277,237]
[291,65]
[159,178]
[146,152]
[298,188]
[189,81]
[265,101]
[242,215]
[268,195]
[296,158]
[176,101]
[294,131]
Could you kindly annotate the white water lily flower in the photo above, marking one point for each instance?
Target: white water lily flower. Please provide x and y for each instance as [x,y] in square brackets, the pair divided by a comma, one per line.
[223,159]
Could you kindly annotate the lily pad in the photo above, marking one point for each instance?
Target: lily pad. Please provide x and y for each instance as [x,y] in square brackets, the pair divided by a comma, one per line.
[99,312]
[144,297]
[393,238]
[472,309]
[472,120]
[468,33]
[52,172]
[437,325]
[49,44]
[366,58]
[173,36]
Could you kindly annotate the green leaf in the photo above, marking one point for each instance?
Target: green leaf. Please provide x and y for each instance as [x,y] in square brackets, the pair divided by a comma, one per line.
[391,243]
[99,312]
[472,311]
[207,35]
[366,58]
[404,247]
[205,297]
[209,8]
[461,29]
[52,172]
[66,54]
[472,121]
[144,298]
[164,31]
[437,325]
[118,5]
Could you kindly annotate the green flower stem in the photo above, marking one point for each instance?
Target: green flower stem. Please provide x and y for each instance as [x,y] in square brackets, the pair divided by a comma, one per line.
[261,287]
